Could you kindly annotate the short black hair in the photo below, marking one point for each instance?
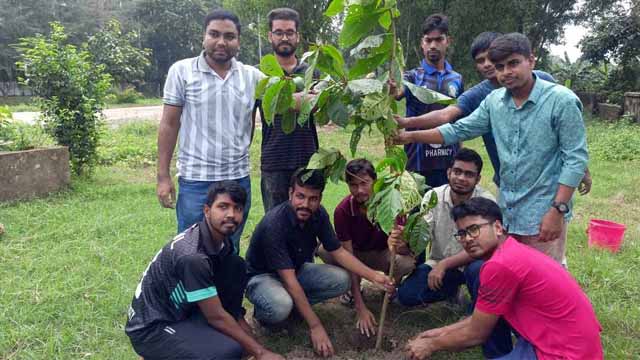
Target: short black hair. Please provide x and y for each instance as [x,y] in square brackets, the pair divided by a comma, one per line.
[357,166]
[508,44]
[283,14]
[230,187]
[315,180]
[482,42]
[477,206]
[468,155]
[222,14]
[438,22]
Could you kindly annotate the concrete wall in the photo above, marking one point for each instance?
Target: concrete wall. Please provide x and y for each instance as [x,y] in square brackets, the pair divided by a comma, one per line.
[32,173]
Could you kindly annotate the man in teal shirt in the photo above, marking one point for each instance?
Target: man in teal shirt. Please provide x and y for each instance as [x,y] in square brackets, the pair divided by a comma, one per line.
[541,142]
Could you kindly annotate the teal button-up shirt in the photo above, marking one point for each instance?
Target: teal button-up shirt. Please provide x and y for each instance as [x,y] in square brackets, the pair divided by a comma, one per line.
[541,144]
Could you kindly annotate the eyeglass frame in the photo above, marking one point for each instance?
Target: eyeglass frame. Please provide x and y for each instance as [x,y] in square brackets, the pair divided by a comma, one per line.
[463,233]
[278,34]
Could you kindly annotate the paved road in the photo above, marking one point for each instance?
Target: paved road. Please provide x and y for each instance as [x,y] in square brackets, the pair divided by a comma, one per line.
[114,117]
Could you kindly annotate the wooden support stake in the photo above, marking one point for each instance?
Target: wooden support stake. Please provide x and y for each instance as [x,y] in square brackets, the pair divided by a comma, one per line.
[385,302]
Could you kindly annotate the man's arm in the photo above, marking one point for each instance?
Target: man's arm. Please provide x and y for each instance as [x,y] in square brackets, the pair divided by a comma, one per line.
[431,119]
[321,343]
[352,264]
[366,321]
[573,153]
[222,321]
[167,137]
[466,333]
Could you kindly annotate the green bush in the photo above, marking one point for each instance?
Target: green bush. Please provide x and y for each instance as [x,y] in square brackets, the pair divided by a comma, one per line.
[70,88]
[614,141]
[131,145]
[127,96]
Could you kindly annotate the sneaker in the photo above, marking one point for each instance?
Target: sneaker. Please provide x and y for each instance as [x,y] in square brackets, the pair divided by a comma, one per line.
[346,299]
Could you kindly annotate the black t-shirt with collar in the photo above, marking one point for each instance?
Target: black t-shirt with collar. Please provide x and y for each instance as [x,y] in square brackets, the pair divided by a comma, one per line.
[280,242]
[181,274]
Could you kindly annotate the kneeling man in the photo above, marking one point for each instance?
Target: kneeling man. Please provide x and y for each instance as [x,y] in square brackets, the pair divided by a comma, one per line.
[363,239]
[280,260]
[188,304]
[531,291]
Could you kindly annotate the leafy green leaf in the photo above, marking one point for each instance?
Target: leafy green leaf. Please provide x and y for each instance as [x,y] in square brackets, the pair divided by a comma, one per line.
[388,205]
[263,84]
[428,96]
[330,61]
[288,121]
[337,112]
[285,100]
[270,101]
[385,20]
[374,106]
[360,20]
[409,190]
[417,233]
[355,138]
[270,66]
[336,7]
[336,172]
[323,158]
[372,44]
[365,86]
[365,66]
[306,107]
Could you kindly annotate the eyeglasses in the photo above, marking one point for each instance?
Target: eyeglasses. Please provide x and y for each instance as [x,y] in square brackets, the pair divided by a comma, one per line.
[279,34]
[472,231]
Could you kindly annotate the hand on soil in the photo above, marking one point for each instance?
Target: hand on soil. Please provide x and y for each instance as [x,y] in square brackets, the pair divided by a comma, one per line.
[418,349]
[366,323]
[321,343]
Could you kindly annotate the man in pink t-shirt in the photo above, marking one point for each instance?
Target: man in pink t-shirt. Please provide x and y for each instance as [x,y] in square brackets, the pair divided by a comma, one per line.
[533,293]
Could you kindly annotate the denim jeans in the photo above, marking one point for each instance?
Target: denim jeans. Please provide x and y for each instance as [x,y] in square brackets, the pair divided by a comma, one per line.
[415,291]
[522,351]
[274,186]
[192,195]
[273,304]
[499,342]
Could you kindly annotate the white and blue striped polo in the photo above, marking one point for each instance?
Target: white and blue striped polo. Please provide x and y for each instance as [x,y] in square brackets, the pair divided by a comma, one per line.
[215,125]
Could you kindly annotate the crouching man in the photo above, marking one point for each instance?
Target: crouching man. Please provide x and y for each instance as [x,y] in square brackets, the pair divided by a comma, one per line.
[531,291]
[280,261]
[188,304]
[363,239]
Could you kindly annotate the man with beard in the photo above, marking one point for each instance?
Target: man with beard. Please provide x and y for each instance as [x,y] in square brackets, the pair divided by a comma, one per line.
[541,141]
[552,316]
[435,73]
[283,153]
[365,241]
[208,102]
[188,304]
[284,278]
[448,266]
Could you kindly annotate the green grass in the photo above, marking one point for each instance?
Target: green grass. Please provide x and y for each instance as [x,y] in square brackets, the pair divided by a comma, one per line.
[69,263]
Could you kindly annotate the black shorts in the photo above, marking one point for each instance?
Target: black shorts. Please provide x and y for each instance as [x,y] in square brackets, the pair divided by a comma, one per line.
[189,339]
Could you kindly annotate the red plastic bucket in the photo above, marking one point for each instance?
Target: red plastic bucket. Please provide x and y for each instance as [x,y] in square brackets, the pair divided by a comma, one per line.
[605,234]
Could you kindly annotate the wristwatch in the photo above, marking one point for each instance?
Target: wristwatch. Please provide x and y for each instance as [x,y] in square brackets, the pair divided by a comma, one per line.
[562,208]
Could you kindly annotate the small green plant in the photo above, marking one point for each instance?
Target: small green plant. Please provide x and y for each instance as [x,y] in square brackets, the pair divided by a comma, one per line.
[70,88]
[16,136]
[614,141]
[133,145]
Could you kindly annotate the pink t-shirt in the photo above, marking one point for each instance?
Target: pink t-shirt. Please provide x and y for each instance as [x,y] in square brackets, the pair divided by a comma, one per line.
[541,301]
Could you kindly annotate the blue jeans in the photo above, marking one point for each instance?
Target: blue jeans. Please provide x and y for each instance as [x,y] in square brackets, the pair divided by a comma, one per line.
[274,186]
[273,304]
[415,291]
[522,351]
[192,195]
[499,342]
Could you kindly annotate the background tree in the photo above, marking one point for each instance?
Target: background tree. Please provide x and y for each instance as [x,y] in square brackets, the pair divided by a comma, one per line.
[117,51]
[71,90]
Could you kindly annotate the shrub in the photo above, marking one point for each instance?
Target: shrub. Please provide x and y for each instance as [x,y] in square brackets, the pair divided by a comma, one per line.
[70,90]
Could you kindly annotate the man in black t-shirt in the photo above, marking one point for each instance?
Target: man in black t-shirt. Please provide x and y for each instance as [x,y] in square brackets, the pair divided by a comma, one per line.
[188,304]
[282,153]
[280,260]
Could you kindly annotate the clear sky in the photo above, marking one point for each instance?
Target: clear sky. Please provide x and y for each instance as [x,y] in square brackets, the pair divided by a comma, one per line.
[572,35]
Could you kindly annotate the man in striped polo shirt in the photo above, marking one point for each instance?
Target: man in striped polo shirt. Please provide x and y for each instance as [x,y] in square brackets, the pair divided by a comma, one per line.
[208,102]
[434,73]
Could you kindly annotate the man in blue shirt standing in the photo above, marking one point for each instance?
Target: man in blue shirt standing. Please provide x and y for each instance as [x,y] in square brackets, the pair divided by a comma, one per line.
[435,73]
[471,99]
[541,141]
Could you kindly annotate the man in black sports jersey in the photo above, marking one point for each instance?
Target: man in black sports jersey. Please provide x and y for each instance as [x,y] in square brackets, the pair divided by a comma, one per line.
[188,304]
